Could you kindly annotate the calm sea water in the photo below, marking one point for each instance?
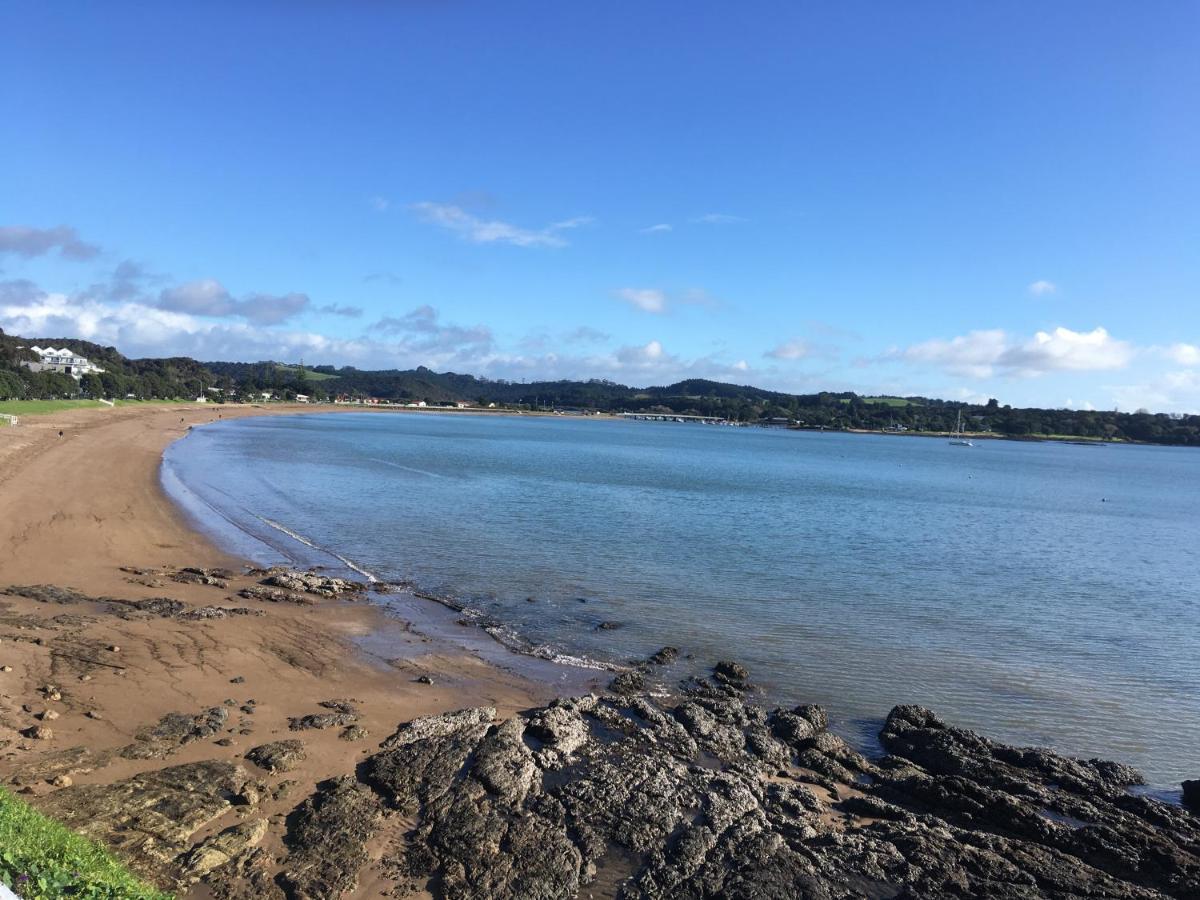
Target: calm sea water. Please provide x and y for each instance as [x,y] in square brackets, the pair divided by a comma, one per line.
[1041,593]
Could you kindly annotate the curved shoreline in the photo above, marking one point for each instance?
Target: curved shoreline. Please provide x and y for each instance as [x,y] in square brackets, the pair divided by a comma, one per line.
[143,664]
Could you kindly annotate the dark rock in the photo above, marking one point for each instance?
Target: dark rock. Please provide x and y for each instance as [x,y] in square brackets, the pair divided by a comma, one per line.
[238,680]
[816,715]
[328,840]
[48,593]
[208,577]
[703,800]
[664,656]
[353,733]
[729,672]
[274,595]
[279,756]
[163,607]
[173,731]
[631,682]
[312,583]
[609,626]
[322,720]
[424,755]
[201,613]
[1191,794]
[424,679]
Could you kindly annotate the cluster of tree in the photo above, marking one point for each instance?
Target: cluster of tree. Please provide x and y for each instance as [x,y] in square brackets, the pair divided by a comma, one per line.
[182,378]
[143,379]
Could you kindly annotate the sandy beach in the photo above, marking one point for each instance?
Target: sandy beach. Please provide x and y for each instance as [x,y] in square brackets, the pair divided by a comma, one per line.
[83,511]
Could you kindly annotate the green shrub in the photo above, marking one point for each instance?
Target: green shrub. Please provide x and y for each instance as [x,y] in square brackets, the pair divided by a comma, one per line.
[42,860]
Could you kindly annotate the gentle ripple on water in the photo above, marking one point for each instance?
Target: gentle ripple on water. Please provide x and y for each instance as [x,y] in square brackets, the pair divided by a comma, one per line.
[1041,593]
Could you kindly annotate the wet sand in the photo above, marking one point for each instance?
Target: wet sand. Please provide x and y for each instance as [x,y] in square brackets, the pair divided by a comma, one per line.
[81,509]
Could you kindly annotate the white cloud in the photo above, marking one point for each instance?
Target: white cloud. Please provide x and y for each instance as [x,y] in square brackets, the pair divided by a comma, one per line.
[1042,288]
[380,204]
[647,354]
[649,300]
[1170,391]
[1185,354]
[790,350]
[657,301]
[714,218]
[28,242]
[660,228]
[419,337]
[981,354]
[482,231]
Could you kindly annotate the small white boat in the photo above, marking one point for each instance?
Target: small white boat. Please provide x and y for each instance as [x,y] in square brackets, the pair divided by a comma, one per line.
[958,439]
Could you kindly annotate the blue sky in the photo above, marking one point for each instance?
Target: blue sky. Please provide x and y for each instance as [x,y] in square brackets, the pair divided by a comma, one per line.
[959,200]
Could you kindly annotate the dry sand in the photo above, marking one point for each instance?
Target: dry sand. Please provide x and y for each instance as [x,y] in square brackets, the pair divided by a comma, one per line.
[75,509]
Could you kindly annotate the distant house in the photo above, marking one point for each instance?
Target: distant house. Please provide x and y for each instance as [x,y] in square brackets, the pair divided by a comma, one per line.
[302,398]
[63,361]
[265,395]
[462,404]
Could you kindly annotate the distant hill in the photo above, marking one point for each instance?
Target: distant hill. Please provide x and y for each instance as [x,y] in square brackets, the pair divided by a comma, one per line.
[184,378]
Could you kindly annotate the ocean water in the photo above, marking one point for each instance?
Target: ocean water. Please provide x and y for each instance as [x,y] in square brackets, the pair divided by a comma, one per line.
[1041,593]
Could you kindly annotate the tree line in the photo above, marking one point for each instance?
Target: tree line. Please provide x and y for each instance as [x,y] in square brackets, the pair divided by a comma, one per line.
[181,378]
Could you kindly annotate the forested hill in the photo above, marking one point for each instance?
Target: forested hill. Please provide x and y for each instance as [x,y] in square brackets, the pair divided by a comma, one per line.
[187,379]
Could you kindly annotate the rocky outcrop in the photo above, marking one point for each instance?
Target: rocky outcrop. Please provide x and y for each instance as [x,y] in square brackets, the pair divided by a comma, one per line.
[274,595]
[173,731]
[218,578]
[48,593]
[328,839]
[702,794]
[231,845]
[712,796]
[1191,794]
[309,583]
[149,819]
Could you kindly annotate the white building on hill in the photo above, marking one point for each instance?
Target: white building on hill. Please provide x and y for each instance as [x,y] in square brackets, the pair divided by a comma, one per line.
[64,361]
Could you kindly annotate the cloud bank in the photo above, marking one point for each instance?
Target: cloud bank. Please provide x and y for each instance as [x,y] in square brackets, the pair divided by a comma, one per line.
[27,242]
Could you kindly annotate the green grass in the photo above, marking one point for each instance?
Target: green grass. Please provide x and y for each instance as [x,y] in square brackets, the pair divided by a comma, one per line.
[308,373]
[37,407]
[883,401]
[41,860]
[42,407]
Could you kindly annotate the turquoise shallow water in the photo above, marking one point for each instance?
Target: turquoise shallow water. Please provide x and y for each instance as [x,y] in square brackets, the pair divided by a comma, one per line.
[1041,593]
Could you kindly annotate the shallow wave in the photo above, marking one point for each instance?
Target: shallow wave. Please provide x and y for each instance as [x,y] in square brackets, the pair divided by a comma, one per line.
[350,564]
[511,639]
[396,465]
